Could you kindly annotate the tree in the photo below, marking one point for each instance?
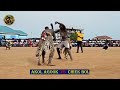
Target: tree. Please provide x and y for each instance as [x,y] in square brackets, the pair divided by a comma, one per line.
[73,36]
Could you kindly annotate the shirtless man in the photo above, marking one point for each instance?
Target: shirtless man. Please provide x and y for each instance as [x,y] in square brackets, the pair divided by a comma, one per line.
[64,40]
[46,37]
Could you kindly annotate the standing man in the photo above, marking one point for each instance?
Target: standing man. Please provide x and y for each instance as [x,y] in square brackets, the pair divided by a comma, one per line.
[80,37]
[8,45]
[64,40]
[106,45]
[46,37]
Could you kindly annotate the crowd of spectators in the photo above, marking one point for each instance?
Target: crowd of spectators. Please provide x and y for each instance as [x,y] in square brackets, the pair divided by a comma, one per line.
[20,43]
[34,43]
[98,43]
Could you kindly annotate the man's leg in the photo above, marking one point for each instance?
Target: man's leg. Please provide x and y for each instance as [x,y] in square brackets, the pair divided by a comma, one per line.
[68,51]
[67,48]
[38,55]
[39,60]
[81,46]
[38,52]
[65,53]
[58,50]
[78,45]
[52,50]
[51,57]
[43,56]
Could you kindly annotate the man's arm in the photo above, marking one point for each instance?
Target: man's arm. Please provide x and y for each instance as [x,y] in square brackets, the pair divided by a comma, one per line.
[61,24]
[56,31]
[82,35]
[52,26]
[58,23]
[53,32]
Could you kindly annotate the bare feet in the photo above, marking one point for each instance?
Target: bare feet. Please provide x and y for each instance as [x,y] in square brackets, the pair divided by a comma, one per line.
[59,58]
[49,64]
[71,59]
[39,64]
[43,63]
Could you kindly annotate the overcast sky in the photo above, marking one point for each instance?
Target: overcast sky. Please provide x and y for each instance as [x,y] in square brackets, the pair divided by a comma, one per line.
[93,22]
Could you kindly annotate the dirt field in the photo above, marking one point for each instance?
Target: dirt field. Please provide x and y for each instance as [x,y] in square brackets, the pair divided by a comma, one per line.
[17,62]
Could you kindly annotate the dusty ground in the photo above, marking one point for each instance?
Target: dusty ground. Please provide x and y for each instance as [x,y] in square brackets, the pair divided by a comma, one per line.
[17,62]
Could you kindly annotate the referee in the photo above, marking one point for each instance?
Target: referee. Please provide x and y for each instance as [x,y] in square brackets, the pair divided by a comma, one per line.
[80,36]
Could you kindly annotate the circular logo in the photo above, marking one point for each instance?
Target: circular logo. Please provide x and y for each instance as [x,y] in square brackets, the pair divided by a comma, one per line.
[9,19]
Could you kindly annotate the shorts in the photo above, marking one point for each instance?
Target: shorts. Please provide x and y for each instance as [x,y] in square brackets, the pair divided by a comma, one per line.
[63,44]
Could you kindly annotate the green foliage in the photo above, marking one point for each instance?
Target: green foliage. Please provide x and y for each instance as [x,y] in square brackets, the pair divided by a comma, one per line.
[73,36]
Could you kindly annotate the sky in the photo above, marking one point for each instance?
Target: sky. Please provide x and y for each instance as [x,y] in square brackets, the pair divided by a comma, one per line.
[94,23]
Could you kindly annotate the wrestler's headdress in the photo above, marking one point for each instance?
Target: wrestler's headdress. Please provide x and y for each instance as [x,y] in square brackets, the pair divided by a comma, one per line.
[46,27]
